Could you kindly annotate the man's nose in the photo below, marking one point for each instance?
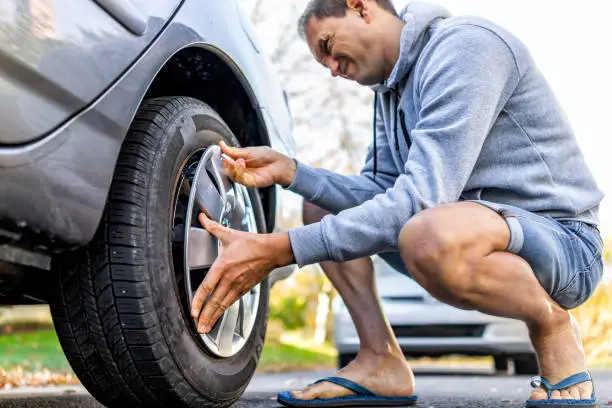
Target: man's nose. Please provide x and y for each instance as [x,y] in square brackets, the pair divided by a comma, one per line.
[334,66]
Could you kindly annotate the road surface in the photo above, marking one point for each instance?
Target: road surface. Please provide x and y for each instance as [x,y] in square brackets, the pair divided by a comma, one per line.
[442,388]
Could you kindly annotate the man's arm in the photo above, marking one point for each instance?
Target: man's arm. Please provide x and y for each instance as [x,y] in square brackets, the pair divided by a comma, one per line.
[468,74]
[335,192]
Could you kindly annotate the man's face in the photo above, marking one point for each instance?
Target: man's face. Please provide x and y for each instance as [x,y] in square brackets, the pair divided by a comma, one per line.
[349,46]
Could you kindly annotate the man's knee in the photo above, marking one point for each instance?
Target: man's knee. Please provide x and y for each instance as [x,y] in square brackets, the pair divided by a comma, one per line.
[432,252]
[312,213]
[424,243]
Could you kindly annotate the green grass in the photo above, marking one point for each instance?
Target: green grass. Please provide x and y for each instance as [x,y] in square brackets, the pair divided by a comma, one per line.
[32,351]
[41,349]
[286,357]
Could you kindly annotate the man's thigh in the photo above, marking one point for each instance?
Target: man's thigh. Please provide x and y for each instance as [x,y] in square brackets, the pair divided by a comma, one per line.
[566,256]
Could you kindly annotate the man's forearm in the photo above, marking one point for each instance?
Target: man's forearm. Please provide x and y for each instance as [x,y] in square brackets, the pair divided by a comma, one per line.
[331,191]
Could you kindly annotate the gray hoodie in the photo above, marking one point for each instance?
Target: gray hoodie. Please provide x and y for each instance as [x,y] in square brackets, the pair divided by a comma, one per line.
[465,114]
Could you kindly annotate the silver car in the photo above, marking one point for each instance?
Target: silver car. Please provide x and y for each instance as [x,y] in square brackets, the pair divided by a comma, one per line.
[111,113]
[426,327]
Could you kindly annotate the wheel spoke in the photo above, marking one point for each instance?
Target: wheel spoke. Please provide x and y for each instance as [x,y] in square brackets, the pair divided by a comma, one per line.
[202,248]
[245,309]
[227,328]
[249,216]
[238,211]
[215,166]
[207,197]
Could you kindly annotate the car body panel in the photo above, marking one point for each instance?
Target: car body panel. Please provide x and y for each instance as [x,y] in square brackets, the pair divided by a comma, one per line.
[408,306]
[58,184]
[58,56]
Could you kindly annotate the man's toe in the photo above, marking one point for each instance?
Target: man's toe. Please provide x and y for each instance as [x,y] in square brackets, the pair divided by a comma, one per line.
[575,393]
[585,393]
[556,394]
[312,392]
[538,394]
[302,394]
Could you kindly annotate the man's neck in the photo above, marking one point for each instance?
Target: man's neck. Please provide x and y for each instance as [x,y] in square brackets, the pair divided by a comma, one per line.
[391,43]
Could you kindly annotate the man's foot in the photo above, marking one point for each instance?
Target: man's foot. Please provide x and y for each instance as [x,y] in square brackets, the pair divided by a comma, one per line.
[560,355]
[388,376]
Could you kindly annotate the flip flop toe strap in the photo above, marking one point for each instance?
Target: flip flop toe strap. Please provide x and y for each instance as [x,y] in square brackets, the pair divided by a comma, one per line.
[348,384]
[568,382]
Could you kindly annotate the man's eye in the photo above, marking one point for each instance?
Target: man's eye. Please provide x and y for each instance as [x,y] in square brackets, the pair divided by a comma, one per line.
[326,47]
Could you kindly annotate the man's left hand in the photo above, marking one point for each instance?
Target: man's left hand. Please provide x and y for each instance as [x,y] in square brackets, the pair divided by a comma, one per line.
[245,260]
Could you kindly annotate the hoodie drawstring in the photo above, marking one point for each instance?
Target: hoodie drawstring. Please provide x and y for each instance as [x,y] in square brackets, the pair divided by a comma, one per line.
[397,147]
[374,143]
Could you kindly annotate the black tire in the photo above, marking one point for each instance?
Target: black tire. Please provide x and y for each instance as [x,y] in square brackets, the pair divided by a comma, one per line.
[525,364]
[501,364]
[345,359]
[117,310]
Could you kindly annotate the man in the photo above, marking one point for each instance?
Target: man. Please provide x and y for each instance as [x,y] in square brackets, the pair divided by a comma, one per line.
[474,186]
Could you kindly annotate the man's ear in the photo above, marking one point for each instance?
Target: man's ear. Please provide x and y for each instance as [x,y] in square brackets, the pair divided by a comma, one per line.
[363,7]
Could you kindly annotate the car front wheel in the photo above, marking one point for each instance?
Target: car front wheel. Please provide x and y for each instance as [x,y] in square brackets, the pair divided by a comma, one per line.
[122,304]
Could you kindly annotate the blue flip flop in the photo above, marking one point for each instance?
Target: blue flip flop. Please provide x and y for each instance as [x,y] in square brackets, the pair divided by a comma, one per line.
[562,403]
[363,398]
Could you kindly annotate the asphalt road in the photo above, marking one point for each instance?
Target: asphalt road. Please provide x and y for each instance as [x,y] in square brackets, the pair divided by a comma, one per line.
[437,388]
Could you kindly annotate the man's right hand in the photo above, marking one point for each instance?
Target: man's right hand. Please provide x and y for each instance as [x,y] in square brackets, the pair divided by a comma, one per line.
[257,166]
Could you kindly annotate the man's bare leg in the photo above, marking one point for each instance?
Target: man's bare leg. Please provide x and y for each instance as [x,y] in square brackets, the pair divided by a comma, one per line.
[456,252]
[380,364]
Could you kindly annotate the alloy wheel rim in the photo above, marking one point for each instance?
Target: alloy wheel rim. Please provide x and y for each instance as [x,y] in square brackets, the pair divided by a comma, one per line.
[204,187]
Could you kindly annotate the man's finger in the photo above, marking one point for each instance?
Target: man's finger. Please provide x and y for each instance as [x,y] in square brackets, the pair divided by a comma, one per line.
[235,169]
[213,307]
[230,298]
[233,152]
[205,289]
[216,229]
[230,167]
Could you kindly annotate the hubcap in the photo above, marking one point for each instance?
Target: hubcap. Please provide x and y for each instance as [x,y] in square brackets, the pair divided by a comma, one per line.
[204,187]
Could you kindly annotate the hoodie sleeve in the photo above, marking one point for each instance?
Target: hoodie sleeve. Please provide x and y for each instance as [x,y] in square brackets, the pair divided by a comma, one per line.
[335,192]
[465,77]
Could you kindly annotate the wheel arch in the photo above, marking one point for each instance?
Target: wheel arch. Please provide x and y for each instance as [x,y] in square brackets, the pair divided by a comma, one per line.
[205,72]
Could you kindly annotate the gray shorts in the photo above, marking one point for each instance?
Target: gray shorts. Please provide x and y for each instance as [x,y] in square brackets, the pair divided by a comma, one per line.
[566,256]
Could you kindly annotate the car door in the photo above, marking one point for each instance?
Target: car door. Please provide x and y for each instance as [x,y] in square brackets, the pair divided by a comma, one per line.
[58,56]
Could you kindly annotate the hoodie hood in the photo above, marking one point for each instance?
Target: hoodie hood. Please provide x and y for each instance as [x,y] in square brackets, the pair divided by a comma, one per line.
[418,17]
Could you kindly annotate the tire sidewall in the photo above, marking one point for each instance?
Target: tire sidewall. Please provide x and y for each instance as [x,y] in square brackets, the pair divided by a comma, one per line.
[219,379]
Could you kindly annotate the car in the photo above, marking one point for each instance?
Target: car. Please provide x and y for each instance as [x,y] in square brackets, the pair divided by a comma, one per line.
[111,115]
[425,327]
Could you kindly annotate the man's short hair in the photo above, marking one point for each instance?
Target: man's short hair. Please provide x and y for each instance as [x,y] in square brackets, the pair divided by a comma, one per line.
[332,8]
